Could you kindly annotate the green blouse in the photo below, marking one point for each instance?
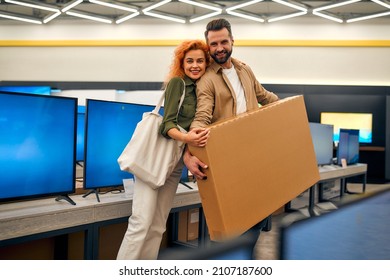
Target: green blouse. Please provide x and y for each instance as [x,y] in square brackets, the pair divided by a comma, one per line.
[186,114]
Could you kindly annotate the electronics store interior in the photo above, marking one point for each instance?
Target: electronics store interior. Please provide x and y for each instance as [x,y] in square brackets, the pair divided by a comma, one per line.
[76,78]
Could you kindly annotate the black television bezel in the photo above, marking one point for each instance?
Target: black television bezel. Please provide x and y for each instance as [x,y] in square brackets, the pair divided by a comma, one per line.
[50,194]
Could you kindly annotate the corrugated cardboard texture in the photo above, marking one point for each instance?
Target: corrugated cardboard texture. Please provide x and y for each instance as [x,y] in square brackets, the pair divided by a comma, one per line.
[257,162]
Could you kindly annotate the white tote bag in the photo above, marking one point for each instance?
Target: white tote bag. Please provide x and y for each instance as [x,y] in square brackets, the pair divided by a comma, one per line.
[150,156]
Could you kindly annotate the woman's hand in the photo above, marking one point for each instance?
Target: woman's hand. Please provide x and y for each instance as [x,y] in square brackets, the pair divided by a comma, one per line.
[197,137]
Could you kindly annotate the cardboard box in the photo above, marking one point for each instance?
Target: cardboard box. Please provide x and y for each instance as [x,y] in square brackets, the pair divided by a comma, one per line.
[188,225]
[257,162]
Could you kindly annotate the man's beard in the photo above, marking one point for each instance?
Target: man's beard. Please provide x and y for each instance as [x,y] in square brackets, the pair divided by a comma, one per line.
[222,60]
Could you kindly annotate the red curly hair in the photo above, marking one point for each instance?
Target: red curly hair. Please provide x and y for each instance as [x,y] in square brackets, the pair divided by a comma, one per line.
[176,68]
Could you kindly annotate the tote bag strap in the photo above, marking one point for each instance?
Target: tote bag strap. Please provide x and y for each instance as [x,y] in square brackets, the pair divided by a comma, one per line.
[159,104]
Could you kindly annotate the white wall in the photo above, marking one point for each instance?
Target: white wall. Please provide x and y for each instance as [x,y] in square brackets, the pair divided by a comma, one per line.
[283,65]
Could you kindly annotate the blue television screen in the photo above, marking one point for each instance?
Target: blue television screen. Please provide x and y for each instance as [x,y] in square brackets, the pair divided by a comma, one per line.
[37,145]
[360,121]
[322,137]
[80,133]
[358,230]
[45,90]
[109,127]
[348,147]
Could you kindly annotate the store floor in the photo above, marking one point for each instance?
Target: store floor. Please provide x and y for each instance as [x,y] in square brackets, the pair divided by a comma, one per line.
[268,244]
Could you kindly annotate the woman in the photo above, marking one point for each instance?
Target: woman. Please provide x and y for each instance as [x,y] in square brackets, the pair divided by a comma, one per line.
[151,207]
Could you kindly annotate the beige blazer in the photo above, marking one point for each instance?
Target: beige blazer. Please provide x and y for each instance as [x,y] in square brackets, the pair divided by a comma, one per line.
[215,98]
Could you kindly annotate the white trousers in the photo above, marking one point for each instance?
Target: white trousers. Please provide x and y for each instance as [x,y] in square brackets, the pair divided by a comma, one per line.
[147,222]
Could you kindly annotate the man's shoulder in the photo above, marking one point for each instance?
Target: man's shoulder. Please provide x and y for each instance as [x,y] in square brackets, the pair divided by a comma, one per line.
[210,73]
[238,63]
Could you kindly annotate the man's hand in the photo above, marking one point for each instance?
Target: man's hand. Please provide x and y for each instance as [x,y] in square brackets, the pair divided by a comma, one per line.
[194,165]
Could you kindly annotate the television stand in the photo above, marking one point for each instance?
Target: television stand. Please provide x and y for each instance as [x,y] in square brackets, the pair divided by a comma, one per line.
[185,184]
[93,191]
[65,197]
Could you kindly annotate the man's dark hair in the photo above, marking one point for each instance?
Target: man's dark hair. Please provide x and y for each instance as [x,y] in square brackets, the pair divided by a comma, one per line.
[218,24]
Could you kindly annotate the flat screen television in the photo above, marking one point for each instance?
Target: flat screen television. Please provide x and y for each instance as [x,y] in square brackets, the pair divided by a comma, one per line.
[360,121]
[37,145]
[348,147]
[45,90]
[357,230]
[109,127]
[322,137]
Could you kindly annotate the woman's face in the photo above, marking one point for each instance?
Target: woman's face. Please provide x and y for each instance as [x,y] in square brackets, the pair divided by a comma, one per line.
[194,64]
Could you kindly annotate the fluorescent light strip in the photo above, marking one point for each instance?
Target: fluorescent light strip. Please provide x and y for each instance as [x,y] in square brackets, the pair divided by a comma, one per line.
[156,5]
[231,11]
[245,16]
[201,5]
[147,12]
[206,16]
[291,5]
[218,11]
[243,5]
[287,16]
[80,15]
[165,17]
[71,5]
[336,19]
[113,5]
[335,5]
[20,18]
[122,19]
[32,5]
[368,17]
[381,3]
[53,16]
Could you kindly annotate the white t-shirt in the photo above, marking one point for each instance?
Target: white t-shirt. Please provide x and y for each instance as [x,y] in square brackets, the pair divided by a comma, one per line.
[231,74]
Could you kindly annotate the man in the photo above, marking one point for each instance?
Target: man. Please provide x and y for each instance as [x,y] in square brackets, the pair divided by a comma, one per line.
[228,88]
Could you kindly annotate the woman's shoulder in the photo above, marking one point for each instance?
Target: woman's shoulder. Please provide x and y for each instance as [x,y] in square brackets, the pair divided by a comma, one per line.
[175,81]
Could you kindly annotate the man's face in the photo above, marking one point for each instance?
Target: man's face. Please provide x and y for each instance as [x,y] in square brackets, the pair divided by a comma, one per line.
[220,45]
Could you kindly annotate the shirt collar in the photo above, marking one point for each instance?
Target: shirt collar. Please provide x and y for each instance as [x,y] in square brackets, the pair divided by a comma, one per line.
[188,81]
[217,67]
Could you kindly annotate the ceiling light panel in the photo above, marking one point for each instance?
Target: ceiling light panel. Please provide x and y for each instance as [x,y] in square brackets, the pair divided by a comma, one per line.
[368,17]
[212,10]
[183,10]
[71,5]
[153,12]
[129,12]
[92,17]
[101,10]
[45,14]
[259,10]
[114,5]
[33,5]
[241,11]
[17,17]
[299,10]
[190,11]
[353,10]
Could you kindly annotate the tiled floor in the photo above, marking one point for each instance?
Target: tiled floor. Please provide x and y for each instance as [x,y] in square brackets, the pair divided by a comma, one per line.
[267,246]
